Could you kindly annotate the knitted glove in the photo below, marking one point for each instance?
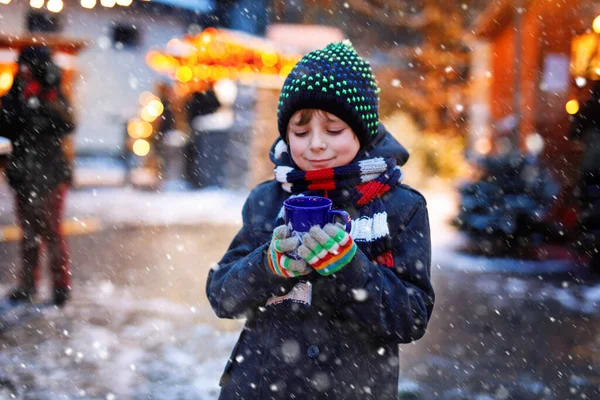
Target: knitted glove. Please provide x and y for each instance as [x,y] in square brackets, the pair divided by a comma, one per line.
[327,249]
[279,263]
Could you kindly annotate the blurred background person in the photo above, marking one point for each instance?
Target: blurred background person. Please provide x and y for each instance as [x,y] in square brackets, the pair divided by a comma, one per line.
[586,128]
[36,116]
[164,124]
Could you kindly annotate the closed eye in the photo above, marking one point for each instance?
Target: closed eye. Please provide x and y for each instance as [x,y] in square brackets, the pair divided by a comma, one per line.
[335,132]
[300,134]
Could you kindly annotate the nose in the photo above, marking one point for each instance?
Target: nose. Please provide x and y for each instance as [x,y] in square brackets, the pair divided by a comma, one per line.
[317,142]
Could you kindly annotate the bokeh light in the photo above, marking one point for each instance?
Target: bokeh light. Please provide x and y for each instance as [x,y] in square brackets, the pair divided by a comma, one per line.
[141,147]
[596,24]
[55,5]
[36,3]
[146,116]
[155,108]
[572,106]
[139,129]
[89,4]
[6,81]
[184,74]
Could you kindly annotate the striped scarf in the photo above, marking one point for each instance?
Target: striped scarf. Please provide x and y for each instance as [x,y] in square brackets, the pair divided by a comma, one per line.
[358,185]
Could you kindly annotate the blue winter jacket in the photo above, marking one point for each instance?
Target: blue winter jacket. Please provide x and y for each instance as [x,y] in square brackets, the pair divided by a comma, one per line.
[345,344]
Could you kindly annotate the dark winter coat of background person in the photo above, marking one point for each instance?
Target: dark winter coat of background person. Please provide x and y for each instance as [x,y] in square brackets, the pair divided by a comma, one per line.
[202,103]
[36,116]
[36,127]
[345,344]
[586,127]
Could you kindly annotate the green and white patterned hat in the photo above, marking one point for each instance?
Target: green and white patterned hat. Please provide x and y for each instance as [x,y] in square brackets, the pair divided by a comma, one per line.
[337,80]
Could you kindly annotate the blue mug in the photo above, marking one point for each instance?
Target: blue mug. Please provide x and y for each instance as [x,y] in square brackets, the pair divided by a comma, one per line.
[301,213]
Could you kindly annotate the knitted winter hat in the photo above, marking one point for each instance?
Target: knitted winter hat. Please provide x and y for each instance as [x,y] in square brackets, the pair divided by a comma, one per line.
[337,80]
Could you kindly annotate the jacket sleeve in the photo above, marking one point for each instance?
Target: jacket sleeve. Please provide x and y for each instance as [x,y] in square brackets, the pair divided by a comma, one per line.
[241,282]
[394,304]
[11,116]
[585,119]
[60,116]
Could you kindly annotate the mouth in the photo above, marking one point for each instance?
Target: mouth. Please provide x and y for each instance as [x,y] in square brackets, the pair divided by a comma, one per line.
[320,162]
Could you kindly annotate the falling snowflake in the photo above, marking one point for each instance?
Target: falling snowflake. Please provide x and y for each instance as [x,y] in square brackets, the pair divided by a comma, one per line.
[360,295]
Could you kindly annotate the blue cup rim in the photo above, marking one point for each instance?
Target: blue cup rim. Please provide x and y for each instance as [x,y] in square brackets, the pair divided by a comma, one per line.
[319,202]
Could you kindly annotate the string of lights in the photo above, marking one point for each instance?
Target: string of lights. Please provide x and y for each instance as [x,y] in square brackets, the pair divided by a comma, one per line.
[57,6]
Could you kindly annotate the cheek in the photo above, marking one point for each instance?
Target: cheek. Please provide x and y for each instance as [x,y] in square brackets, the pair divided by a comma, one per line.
[295,147]
[348,147]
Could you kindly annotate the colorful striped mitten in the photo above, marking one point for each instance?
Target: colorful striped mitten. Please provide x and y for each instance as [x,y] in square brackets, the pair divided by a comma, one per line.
[279,263]
[327,249]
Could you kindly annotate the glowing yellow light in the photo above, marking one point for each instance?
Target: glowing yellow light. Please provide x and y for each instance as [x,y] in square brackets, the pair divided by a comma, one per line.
[36,3]
[135,128]
[208,35]
[572,106]
[124,3]
[141,147]
[155,108]
[184,73]
[89,4]
[4,1]
[201,71]
[285,70]
[596,24]
[108,3]
[147,132]
[55,5]
[269,70]
[6,81]
[146,98]
[139,129]
[146,116]
[269,59]
[160,62]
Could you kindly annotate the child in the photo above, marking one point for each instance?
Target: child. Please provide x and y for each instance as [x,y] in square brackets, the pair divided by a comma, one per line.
[327,326]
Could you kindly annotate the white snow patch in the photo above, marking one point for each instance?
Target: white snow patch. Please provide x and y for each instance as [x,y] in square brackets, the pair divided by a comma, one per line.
[123,346]
[128,206]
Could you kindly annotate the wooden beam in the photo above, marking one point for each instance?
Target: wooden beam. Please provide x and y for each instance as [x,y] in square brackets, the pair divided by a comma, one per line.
[498,14]
[55,42]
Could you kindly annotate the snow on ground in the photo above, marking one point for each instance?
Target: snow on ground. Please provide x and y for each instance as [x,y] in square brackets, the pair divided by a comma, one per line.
[442,204]
[98,171]
[121,345]
[128,206]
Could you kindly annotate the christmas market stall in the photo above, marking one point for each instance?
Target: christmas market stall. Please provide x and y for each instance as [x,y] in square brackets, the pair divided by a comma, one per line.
[216,80]
[522,200]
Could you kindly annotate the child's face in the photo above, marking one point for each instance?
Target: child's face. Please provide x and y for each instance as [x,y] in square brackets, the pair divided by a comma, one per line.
[318,140]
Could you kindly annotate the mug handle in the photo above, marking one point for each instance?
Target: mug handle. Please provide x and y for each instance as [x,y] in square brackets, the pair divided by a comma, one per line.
[343,215]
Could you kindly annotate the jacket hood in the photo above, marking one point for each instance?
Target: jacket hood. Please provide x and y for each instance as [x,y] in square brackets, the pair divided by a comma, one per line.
[382,145]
